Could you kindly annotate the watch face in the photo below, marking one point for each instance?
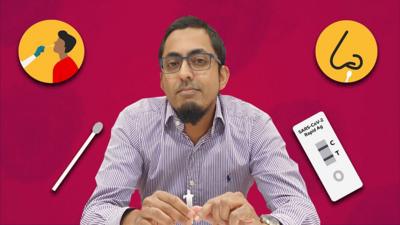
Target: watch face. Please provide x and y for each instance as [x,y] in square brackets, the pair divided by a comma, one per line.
[270,220]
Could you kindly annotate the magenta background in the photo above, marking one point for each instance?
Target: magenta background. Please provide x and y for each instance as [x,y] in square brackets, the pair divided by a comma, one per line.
[270,50]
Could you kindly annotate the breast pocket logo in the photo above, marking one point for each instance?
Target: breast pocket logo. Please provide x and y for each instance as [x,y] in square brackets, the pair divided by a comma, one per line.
[51,51]
[346,51]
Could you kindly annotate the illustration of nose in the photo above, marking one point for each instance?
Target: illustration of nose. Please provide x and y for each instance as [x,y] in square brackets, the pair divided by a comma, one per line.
[350,64]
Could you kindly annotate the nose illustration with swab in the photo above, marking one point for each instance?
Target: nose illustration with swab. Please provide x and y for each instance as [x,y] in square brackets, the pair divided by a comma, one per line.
[349,64]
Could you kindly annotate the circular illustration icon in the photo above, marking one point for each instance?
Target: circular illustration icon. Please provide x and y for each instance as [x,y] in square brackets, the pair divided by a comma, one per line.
[346,51]
[51,51]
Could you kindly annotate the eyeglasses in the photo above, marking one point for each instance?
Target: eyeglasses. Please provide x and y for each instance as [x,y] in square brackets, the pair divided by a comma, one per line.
[196,61]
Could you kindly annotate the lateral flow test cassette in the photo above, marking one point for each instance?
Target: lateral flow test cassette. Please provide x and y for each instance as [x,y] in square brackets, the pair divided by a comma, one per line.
[327,156]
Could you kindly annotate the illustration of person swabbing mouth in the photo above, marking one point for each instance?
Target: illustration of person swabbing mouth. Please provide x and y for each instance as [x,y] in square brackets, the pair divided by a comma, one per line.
[66,67]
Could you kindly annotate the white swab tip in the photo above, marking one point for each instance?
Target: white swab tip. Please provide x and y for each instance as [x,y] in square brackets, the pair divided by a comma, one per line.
[97,127]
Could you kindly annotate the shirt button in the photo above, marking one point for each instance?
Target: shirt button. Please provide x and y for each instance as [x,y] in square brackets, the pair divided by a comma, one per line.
[191,183]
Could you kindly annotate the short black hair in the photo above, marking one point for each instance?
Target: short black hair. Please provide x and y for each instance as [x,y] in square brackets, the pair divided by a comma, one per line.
[194,22]
[68,39]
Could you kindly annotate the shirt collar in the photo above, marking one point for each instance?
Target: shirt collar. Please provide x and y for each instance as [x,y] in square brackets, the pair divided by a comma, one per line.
[170,116]
[218,116]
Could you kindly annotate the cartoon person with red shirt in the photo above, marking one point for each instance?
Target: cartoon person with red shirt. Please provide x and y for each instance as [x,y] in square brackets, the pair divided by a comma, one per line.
[66,67]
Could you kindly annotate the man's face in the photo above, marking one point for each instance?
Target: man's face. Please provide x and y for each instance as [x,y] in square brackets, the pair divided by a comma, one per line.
[59,46]
[187,86]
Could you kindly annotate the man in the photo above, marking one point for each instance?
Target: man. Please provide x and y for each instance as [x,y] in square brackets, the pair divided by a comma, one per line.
[66,67]
[196,140]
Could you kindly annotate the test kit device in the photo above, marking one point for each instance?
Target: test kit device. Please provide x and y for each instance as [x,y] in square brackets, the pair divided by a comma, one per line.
[327,156]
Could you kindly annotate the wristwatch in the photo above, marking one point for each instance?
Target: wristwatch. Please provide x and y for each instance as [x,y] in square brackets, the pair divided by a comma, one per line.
[270,220]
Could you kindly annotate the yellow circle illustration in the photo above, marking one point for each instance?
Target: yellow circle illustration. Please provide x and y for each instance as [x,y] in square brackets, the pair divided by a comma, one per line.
[51,51]
[346,51]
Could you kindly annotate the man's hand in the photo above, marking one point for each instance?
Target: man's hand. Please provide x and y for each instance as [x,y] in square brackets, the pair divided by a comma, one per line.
[229,208]
[160,208]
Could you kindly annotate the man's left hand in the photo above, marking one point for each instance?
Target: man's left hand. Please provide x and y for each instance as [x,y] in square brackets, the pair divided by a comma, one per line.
[229,208]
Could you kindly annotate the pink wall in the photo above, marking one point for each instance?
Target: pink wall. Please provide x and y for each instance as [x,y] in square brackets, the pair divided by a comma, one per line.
[270,50]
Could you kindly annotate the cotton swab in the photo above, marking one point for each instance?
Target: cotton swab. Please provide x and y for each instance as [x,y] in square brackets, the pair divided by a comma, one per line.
[348,75]
[96,130]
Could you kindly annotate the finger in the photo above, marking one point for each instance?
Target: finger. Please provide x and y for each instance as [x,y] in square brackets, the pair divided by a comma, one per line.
[171,211]
[224,209]
[248,221]
[215,213]
[228,205]
[155,214]
[207,215]
[241,213]
[200,216]
[196,209]
[141,221]
[206,210]
[176,202]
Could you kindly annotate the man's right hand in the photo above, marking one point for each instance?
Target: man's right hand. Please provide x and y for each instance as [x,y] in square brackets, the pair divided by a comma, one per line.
[160,208]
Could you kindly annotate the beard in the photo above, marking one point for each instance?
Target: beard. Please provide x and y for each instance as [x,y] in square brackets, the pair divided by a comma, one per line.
[190,113]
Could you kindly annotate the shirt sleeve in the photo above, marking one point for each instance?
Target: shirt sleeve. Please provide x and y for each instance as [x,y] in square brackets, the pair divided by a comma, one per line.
[118,175]
[28,61]
[277,176]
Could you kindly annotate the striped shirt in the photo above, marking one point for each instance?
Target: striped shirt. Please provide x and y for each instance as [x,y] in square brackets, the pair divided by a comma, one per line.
[150,151]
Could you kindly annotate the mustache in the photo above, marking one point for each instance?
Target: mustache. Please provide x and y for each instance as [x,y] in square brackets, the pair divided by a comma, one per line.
[186,85]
